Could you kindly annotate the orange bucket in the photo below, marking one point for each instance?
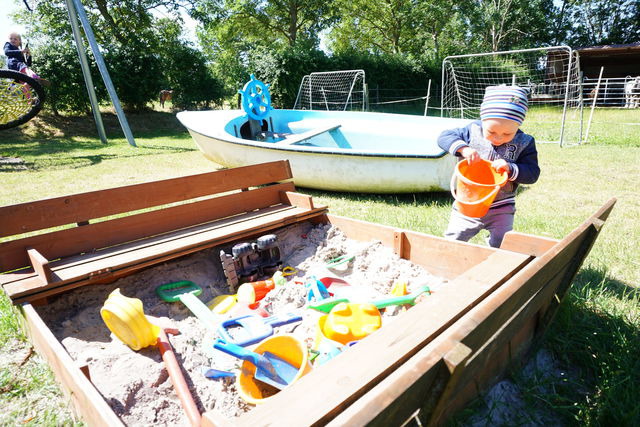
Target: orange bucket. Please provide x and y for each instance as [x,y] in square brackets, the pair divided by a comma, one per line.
[287,347]
[477,187]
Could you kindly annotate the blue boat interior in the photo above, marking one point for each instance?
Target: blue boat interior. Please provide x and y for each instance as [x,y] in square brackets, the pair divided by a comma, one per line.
[353,131]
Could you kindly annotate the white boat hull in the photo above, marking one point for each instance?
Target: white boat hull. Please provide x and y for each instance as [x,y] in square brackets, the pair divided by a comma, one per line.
[328,168]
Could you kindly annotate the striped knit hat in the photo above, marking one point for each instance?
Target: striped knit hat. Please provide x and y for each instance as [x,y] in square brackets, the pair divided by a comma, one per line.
[505,102]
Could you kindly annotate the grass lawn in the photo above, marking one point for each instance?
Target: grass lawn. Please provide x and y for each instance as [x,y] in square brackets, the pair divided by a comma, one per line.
[595,339]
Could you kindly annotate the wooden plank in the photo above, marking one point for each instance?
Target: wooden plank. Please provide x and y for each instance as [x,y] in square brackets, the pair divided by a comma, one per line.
[522,340]
[431,252]
[77,208]
[399,243]
[455,361]
[527,243]
[492,359]
[435,253]
[88,238]
[104,268]
[40,265]
[418,381]
[297,138]
[86,400]
[416,384]
[213,418]
[297,199]
[460,400]
[563,260]
[570,274]
[510,317]
[376,356]
[399,387]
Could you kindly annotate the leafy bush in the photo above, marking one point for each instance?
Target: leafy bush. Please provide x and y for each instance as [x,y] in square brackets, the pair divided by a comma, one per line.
[193,84]
[135,75]
[58,62]
[284,70]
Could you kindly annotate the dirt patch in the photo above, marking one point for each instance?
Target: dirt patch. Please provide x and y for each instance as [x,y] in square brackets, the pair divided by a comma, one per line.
[135,383]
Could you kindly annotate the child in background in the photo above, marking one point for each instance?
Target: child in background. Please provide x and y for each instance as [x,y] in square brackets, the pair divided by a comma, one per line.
[19,59]
[495,137]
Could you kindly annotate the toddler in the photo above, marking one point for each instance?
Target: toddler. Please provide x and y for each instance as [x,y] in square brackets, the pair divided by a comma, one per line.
[19,59]
[495,137]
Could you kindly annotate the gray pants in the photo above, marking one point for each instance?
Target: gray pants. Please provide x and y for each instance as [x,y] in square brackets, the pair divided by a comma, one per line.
[497,221]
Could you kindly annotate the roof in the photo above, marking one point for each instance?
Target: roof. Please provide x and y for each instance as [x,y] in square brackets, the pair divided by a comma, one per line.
[633,48]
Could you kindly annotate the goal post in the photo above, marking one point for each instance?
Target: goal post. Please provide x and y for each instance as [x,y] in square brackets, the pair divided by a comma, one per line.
[552,74]
[333,90]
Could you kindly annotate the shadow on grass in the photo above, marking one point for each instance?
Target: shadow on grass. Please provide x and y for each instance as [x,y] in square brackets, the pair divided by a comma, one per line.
[147,124]
[60,155]
[601,344]
[437,199]
[593,377]
[50,142]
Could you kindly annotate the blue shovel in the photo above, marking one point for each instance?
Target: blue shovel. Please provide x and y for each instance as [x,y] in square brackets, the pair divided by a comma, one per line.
[270,369]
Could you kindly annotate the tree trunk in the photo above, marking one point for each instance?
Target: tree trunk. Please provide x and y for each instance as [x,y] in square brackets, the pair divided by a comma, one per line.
[111,24]
[293,23]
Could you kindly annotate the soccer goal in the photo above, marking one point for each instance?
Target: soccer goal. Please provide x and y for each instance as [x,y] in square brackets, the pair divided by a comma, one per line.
[333,90]
[552,74]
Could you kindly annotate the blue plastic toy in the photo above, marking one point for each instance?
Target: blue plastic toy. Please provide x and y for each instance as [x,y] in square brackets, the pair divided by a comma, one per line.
[256,100]
[316,290]
[251,329]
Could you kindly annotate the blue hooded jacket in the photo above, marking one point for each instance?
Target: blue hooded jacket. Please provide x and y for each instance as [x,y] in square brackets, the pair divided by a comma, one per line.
[15,57]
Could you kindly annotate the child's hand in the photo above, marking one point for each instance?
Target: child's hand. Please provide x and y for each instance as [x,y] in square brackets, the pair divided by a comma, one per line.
[470,154]
[501,166]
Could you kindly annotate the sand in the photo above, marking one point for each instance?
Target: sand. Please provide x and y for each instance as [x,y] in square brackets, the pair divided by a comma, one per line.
[135,383]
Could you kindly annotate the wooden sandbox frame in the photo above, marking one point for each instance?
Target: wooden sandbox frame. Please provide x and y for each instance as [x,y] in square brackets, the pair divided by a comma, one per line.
[434,360]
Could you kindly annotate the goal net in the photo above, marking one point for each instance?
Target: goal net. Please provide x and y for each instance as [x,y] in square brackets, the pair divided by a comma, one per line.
[552,75]
[332,90]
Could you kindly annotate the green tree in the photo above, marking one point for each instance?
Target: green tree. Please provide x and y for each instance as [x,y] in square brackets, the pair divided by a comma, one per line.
[509,24]
[388,26]
[426,30]
[233,29]
[599,22]
[275,23]
[58,62]
[283,70]
[184,69]
[143,54]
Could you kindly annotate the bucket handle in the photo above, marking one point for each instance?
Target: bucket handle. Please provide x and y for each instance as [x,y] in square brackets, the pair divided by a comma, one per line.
[477,202]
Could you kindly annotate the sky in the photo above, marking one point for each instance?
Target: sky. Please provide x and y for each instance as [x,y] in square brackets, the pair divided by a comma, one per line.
[6,24]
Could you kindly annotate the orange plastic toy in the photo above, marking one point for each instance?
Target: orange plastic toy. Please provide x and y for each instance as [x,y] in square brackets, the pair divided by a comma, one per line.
[254,291]
[348,322]
[478,184]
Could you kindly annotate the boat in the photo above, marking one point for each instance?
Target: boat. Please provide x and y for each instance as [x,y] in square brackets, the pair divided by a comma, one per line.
[332,150]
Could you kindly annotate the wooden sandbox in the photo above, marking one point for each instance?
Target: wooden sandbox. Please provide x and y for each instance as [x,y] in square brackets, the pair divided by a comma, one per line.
[438,356]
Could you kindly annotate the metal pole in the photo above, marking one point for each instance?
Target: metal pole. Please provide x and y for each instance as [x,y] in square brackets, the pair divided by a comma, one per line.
[104,72]
[442,82]
[86,73]
[365,101]
[566,96]
[593,105]
[581,86]
[426,101]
